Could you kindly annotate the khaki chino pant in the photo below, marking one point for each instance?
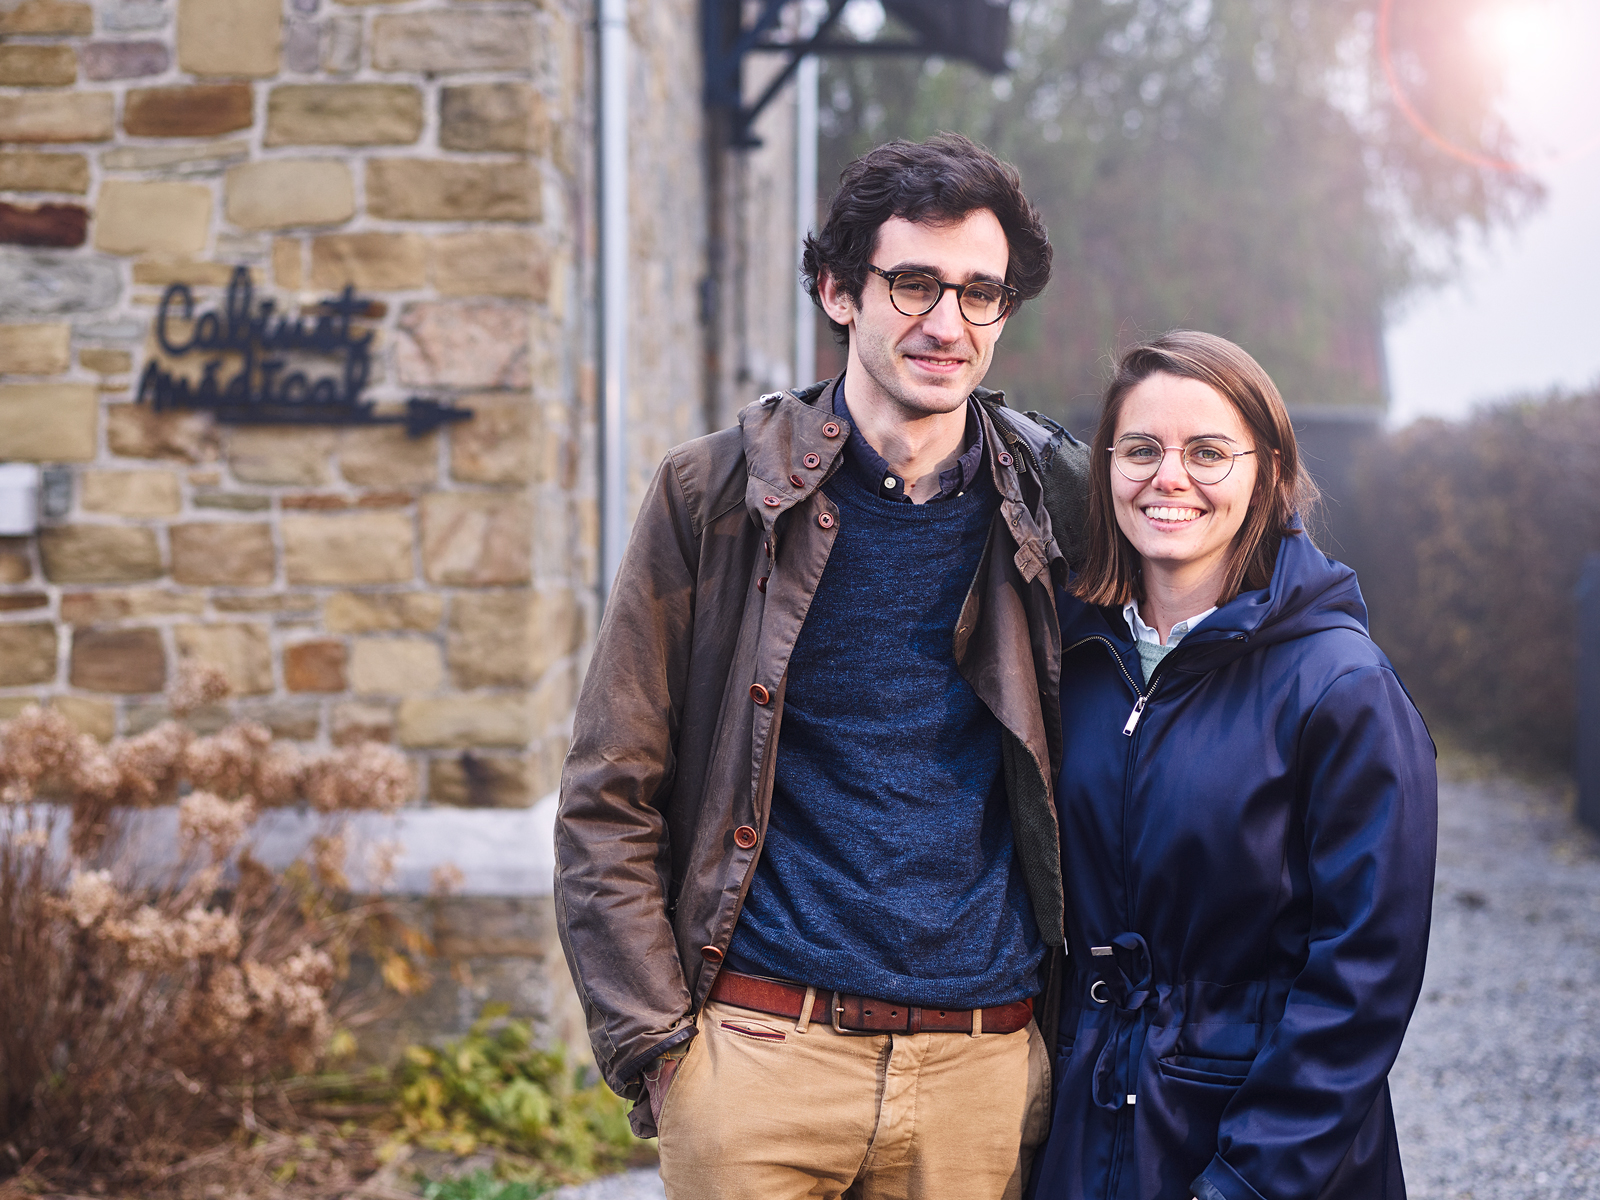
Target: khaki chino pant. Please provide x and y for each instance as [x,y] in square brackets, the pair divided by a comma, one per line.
[760,1110]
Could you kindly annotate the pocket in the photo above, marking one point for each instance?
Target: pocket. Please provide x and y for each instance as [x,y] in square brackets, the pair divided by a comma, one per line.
[1222,1072]
[748,1030]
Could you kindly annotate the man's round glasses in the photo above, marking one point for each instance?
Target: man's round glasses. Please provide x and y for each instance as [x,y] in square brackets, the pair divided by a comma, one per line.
[916,294]
[1138,458]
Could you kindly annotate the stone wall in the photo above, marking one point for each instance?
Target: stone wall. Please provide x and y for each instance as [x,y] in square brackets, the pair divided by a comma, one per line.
[435,592]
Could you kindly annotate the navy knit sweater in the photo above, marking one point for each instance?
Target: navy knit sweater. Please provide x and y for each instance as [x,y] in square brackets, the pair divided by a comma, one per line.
[888,868]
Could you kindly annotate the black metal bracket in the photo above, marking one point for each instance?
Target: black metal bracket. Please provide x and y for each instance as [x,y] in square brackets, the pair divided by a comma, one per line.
[975,30]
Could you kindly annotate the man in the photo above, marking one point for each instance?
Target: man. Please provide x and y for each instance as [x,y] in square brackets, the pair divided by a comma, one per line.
[808,869]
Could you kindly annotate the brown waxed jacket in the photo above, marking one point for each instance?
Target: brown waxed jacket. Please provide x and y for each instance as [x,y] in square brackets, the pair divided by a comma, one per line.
[676,729]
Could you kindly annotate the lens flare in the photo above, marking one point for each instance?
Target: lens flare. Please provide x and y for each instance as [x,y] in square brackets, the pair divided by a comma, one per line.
[1543,51]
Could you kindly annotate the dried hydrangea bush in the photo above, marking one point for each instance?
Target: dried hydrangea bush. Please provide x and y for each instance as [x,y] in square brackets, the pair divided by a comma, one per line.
[143,1012]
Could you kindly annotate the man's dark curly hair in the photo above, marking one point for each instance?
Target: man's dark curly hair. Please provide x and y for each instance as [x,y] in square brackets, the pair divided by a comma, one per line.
[940,180]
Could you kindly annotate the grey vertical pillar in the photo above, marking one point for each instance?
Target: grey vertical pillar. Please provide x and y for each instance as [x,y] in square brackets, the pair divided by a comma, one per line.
[1588,728]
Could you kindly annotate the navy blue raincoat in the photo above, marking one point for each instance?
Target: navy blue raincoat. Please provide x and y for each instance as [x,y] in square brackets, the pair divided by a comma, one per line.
[1248,846]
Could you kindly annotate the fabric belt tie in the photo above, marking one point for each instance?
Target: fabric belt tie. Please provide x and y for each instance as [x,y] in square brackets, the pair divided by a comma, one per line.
[864,1014]
[1125,970]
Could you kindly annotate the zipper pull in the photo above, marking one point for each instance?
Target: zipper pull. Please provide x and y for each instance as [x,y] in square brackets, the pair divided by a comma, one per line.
[1133,717]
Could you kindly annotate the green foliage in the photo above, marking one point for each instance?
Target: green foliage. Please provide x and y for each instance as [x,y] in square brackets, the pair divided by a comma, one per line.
[495,1088]
[1470,538]
[481,1185]
[1237,166]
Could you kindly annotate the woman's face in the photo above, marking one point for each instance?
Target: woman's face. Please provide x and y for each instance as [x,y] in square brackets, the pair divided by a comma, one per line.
[1182,529]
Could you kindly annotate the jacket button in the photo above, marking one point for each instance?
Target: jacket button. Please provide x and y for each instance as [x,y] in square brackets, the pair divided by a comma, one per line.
[797,481]
[744,837]
[759,694]
[830,429]
[813,461]
[711,954]
[761,584]
[826,520]
[1005,459]
[771,501]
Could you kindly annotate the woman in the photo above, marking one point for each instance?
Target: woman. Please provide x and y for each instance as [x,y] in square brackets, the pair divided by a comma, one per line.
[1247,817]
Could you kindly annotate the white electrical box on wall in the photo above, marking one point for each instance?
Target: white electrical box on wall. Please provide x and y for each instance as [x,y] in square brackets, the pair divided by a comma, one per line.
[19,499]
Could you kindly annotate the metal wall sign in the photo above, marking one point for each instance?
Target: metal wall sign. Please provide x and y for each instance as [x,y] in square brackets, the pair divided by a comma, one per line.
[271,361]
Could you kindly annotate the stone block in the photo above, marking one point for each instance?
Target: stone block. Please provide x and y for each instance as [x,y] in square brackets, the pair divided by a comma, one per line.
[314,666]
[241,652]
[57,117]
[493,116]
[48,422]
[23,601]
[16,565]
[491,640]
[464,344]
[224,552]
[298,606]
[104,605]
[285,192]
[496,446]
[202,110]
[35,349]
[230,37]
[288,270]
[131,493]
[285,456]
[34,171]
[491,927]
[491,262]
[469,780]
[99,553]
[385,456]
[510,639]
[46,16]
[301,46]
[361,721]
[460,721]
[442,42]
[97,718]
[43,224]
[379,262]
[133,16]
[152,218]
[32,65]
[125,60]
[47,285]
[296,722]
[233,501]
[343,114]
[164,271]
[341,45]
[27,654]
[473,539]
[136,431]
[199,158]
[348,548]
[105,362]
[423,189]
[403,666]
[373,612]
[129,662]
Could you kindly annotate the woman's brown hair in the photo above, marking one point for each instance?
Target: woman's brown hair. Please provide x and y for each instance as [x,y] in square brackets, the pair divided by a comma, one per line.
[1283,491]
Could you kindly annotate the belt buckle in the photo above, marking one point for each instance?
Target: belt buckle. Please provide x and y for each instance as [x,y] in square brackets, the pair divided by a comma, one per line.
[838,1011]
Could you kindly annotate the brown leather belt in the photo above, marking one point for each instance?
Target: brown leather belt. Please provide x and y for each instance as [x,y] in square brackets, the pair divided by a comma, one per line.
[864,1014]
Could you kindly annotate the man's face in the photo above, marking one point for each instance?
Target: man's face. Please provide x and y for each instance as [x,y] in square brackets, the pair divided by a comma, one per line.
[927,364]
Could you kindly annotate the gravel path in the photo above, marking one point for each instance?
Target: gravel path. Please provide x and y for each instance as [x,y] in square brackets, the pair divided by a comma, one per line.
[1497,1089]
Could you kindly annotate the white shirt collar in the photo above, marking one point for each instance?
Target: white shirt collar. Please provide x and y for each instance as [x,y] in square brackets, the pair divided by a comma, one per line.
[1143,632]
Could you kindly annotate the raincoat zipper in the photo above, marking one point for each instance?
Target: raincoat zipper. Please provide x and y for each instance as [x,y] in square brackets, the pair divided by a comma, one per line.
[1141,695]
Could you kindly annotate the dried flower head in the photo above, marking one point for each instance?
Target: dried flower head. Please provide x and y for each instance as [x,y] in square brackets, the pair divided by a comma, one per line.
[149,762]
[280,775]
[328,859]
[226,762]
[383,859]
[37,742]
[90,896]
[207,817]
[198,684]
[155,940]
[366,776]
